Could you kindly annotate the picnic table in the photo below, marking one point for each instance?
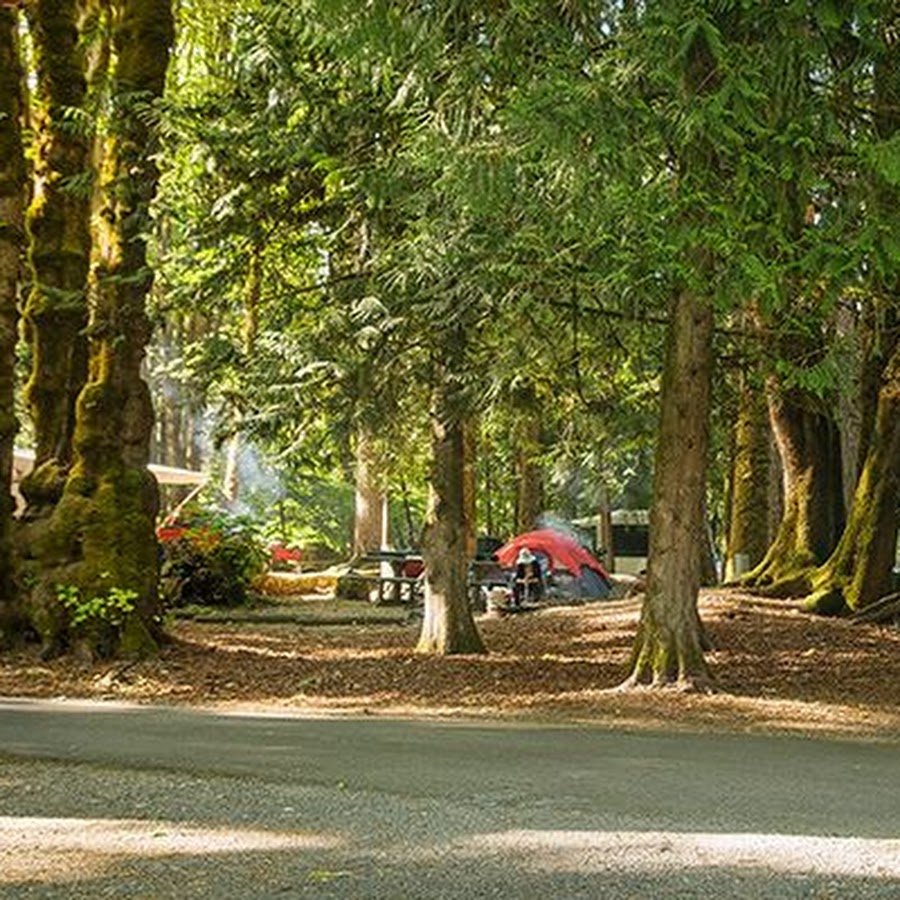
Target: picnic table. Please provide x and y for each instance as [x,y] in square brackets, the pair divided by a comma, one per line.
[400,577]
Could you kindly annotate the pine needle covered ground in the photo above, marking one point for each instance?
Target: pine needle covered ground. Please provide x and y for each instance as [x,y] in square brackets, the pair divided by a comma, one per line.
[779,670]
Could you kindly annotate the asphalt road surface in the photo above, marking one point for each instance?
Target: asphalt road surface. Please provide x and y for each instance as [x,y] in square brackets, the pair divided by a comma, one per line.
[102,800]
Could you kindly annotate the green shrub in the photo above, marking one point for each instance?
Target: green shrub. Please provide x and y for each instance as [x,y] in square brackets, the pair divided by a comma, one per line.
[209,559]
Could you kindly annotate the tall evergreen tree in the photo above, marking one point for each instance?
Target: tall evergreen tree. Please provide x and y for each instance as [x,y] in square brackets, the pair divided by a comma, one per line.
[669,644]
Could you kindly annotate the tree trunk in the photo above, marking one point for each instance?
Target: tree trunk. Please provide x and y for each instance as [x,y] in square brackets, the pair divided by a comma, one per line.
[175,441]
[860,571]
[669,644]
[748,522]
[100,541]
[172,408]
[58,221]
[859,331]
[809,446]
[470,486]
[231,482]
[529,469]
[448,626]
[12,241]
[604,533]
[367,508]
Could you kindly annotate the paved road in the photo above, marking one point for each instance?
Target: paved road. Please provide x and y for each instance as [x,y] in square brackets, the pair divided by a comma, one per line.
[110,801]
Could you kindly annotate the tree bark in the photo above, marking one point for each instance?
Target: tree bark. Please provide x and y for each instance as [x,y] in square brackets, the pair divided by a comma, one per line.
[529,470]
[470,486]
[748,522]
[231,482]
[58,222]
[12,242]
[859,330]
[669,644]
[604,533]
[368,501]
[101,538]
[448,626]
[809,445]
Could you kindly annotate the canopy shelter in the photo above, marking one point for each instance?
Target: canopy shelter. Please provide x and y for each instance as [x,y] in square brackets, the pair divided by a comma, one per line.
[573,570]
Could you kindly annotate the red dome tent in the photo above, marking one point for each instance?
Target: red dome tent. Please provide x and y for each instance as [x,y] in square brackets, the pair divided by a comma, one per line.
[590,579]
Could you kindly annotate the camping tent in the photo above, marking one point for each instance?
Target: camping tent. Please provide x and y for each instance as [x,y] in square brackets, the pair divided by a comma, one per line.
[574,572]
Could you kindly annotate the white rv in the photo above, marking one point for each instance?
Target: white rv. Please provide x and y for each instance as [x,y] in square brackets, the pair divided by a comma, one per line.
[623,542]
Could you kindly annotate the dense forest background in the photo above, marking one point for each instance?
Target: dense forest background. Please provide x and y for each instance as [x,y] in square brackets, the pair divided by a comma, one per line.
[484,259]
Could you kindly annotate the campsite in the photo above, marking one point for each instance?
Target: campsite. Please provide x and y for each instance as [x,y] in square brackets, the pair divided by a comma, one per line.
[398,397]
[291,298]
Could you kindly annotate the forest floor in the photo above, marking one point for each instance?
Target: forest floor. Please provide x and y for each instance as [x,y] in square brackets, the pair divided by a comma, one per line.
[778,669]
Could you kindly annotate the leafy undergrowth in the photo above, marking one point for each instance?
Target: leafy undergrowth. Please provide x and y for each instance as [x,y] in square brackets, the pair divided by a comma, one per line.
[777,668]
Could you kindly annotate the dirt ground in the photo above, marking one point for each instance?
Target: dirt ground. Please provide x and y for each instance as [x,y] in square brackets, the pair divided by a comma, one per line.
[778,670]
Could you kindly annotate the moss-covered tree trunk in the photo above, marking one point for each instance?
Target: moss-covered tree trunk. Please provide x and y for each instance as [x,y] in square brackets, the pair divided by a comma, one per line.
[58,221]
[100,542]
[748,520]
[669,645]
[809,446]
[448,626]
[859,572]
[12,214]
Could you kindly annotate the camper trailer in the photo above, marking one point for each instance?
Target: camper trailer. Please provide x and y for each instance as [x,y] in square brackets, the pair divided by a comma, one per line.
[630,530]
[623,542]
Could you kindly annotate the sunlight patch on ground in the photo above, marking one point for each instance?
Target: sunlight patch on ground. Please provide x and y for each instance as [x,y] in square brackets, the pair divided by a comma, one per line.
[316,653]
[80,848]
[665,851]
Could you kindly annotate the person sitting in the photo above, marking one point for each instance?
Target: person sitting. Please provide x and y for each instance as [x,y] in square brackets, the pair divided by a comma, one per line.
[528,580]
